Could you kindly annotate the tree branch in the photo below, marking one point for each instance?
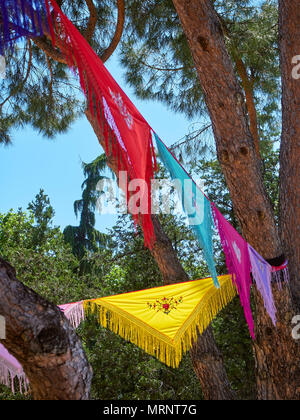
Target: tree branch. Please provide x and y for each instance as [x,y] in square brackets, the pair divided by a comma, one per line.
[118,33]
[42,339]
[91,26]
[248,89]
[162,69]
[49,50]
[51,73]
[25,79]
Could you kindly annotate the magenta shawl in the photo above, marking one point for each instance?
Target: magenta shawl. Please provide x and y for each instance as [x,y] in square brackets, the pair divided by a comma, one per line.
[238,262]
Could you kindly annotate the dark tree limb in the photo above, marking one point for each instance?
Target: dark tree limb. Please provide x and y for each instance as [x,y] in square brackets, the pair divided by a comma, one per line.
[91,26]
[43,341]
[289,39]
[247,84]
[118,33]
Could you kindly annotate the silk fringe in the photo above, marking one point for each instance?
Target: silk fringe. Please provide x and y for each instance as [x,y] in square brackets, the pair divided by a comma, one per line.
[152,342]
[8,376]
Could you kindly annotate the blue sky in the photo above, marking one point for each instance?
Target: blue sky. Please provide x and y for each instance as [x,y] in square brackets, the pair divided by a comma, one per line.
[33,162]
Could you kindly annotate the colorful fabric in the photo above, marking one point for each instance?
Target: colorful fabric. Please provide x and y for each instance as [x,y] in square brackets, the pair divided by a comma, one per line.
[164,321]
[21,18]
[127,134]
[281,272]
[74,313]
[195,204]
[262,273]
[238,262]
[11,369]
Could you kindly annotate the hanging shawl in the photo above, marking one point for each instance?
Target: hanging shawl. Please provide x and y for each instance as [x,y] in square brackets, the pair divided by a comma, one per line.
[21,18]
[74,313]
[262,273]
[238,262]
[127,135]
[11,369]
[195,204]
[164,321]
[277,273]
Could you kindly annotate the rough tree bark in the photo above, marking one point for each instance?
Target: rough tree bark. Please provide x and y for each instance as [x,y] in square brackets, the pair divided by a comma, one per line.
[277,354]
[206,356]
[289,40]
[41,338]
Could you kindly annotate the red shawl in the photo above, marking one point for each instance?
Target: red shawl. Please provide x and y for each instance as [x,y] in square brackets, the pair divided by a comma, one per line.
[127,134]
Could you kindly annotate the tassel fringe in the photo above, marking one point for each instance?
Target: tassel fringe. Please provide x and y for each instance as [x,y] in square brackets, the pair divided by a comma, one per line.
[150,340]
[21,18]
[281,274]
[8,375]
[75,314]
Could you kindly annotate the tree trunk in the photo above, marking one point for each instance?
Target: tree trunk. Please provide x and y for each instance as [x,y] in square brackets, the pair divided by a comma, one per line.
[289,38]
[277,357]
[205,355]
[208,363]
[43,341]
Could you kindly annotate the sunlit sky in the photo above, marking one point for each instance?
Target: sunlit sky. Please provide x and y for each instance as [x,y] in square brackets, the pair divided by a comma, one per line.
[33,162]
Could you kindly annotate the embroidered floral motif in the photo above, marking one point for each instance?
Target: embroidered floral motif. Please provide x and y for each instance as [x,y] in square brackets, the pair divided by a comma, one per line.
[165,305]
[122,108]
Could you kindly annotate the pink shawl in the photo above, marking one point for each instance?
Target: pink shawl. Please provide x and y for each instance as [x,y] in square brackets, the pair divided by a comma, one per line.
[238,262]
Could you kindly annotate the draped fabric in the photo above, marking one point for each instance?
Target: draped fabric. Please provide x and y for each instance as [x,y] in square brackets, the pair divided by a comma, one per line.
[238,262]
[21,18]
[195,204]
[127,135]
[262,273]
[281,272]
[11,369]
[163,321]
[74,313]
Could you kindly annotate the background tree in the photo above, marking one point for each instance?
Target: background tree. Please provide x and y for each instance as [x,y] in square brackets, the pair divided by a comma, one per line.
[46,264]
[86,238]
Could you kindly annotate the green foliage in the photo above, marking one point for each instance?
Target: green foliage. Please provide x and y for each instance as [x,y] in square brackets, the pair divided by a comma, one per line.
[31,95]
[232,337]
[123,371]
[157,58]
[42,92]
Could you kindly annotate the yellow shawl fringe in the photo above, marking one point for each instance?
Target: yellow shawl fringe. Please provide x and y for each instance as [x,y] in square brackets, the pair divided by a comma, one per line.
[152,341]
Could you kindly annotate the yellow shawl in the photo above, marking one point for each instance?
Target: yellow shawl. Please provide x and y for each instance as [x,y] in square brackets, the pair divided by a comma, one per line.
[163,321]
